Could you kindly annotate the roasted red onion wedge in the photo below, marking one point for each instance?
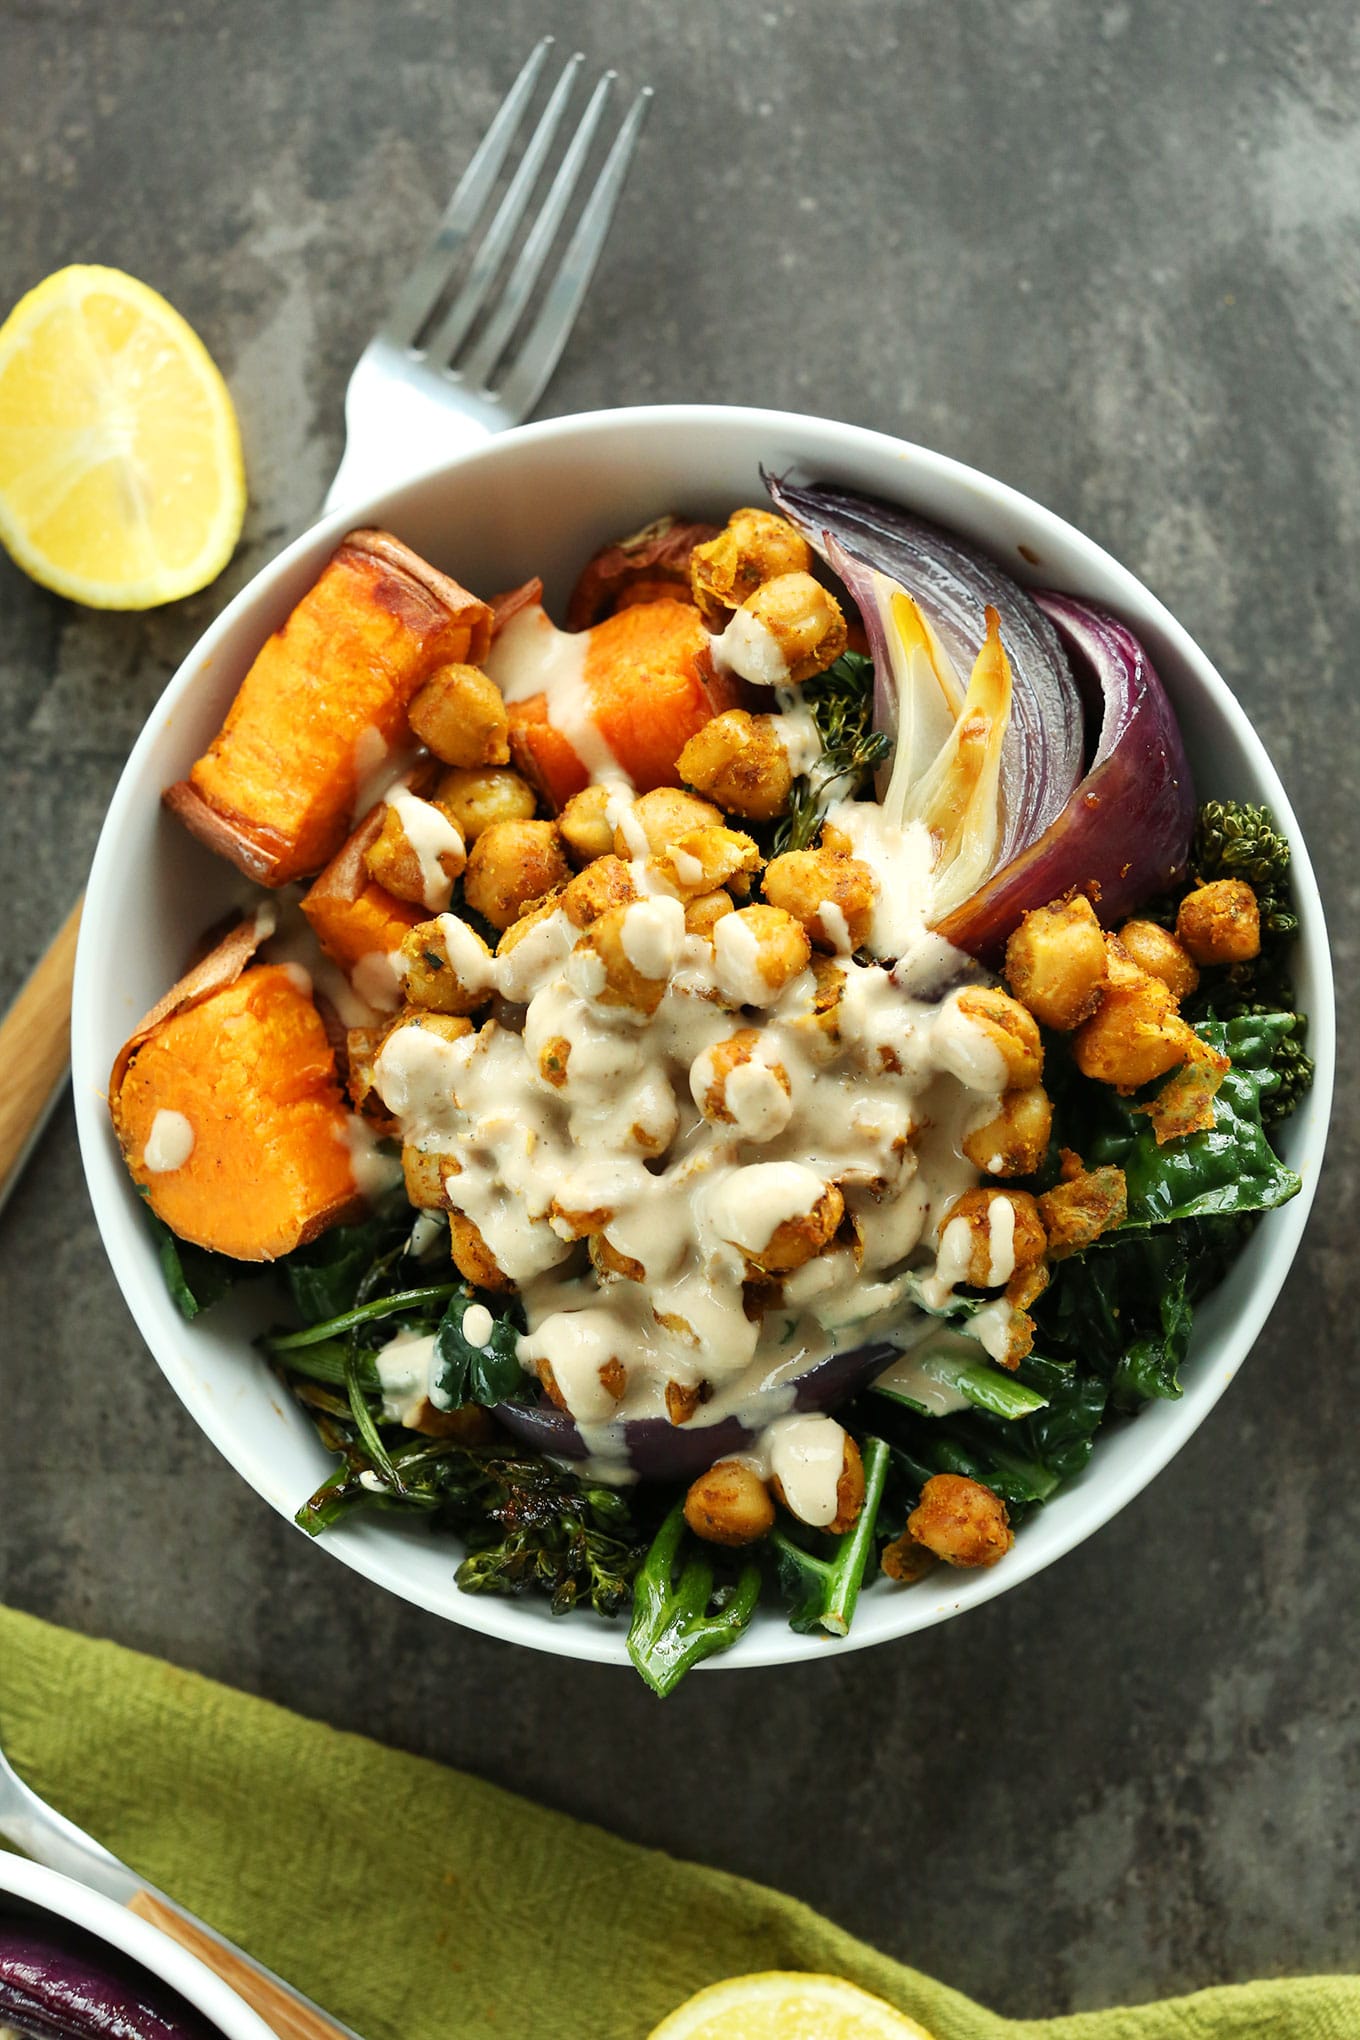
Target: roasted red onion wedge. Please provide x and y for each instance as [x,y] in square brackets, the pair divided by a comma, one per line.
[656,1450]
[54,1989]
[860,536]
[1125,832]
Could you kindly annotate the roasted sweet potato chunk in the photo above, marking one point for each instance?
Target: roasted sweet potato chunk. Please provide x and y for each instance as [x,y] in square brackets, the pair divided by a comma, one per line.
[229,1114]
[327,695]
[358,922]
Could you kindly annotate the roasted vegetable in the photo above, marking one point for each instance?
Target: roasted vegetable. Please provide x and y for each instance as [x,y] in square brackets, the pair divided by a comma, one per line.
[823,1585]
[654,561]
[229,1114]
[649,683]
[356,919]
[841,701]
[681,1618]
[325,700]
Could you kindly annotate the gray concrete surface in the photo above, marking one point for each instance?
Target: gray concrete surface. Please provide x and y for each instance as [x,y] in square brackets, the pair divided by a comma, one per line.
[1108,251]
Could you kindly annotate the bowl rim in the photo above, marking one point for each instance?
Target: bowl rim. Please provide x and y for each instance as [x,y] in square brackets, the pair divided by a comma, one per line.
[128,1935]
[373,1552]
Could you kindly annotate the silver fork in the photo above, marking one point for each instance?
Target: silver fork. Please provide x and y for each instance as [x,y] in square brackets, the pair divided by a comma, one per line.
[50,1839]
[419,393]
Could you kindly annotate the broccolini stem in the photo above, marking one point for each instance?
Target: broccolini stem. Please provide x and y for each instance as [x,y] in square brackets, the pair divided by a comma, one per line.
[672,1630]
[365,1313]
[827,1589]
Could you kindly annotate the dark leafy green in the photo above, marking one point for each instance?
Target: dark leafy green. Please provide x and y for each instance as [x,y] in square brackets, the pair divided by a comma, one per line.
[680,1616]
[324,1279]
[467,1373]
[822,1584]
[195,1278]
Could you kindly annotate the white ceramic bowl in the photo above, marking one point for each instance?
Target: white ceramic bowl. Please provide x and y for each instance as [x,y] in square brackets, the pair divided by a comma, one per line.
[41,1895]
[540,500]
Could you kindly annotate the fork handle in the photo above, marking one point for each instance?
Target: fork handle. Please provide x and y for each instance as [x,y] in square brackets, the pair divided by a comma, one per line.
[35,1049]
[281,2011]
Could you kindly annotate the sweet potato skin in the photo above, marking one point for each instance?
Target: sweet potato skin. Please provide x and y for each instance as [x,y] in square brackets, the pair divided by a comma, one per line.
[652,685]
[275,790]
[653,561]
[351,915]
[250,1068]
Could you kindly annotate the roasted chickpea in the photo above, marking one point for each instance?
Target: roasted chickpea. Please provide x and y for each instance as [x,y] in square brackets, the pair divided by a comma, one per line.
[460,714]
[1015,1141]
[831,894]
[991,1241]
[423,1170]
[1157,952]
[849,1489]
[605,883]
[571,1224]
[553,1061]
[1008,1027]
[1220,922]
[801,619]
[473,800]
[661,818]
[703,859]
[361,1053]
[729,1504]
[798,1240]
[586,828]
[513,863]
[683,1398]
[473,1258]
[735,1085]
[629,953]
[396,863]
[817,1026]
[904,1561]
[607,1259]
[1078,1210]
[1136,1032]
[740,761]
[1055,962]
[702,915]
[471,1425]
[756,546]
[446,966]
[961,1521]
[757,951]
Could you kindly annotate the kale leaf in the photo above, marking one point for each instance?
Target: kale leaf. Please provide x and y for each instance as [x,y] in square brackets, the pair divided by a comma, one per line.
[195,1278]
[467,1373]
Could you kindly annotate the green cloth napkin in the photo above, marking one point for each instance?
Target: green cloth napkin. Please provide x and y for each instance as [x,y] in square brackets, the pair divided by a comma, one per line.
[420,1904]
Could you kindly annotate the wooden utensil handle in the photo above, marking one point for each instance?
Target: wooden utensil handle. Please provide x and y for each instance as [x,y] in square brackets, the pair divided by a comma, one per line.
[35,1049]
[276,2005]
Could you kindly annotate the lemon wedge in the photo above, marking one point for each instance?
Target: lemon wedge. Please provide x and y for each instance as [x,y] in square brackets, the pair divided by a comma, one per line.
[121,483]
[781,2004]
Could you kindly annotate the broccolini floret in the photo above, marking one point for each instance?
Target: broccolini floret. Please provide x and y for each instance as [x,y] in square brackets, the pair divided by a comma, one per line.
[1233,839]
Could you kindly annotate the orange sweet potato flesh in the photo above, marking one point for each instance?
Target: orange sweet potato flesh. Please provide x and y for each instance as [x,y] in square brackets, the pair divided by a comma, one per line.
[251,1070]
[351,915]
[652,685]
[275,790]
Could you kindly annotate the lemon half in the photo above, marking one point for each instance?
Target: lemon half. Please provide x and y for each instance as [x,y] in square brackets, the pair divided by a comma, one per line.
[780,2004]
[121,482]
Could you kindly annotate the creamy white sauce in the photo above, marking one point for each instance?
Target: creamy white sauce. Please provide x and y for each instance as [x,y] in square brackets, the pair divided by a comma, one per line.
[901,860]
[377,980]
[433,839]
[531,656]
[478,1324]
[377,768]
[750,649]
[169,1143]
[299,977]
[374,1172]
[807,1456]
[796,728]
[910,1375]
[835,927]
[1000,1241]
[403,1366]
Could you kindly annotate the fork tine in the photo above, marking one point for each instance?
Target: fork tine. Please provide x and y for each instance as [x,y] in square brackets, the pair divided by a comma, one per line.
[419,294]
[453,328]
[549,333]
[478,367]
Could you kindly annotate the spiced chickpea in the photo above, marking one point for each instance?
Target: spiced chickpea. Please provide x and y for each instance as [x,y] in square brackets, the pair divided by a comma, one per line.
[511,864]
[1220,922]
[1056,963]
[801,619]
[1010,1029]
[849,1490]
[798,1240]
[660,818]
[446,966]
[398,864]
[741,762]
[1156,951]
[833,895]
[1015,1140]
[606,882]
[703,859]
[1135,1033]
[423,1172]
[474,799]
[961,1521]
[460,714]
[586,829]
[627,962]
[999,1233]
[754,547]
[735,1085]
[473,1258]
[703,914]
[758,950]
[729,1504]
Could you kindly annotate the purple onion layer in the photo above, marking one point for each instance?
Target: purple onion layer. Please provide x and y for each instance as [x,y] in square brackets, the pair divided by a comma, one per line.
[52,1988]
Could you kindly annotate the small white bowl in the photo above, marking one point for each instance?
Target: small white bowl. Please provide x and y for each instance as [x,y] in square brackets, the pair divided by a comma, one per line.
[539,501]
[27,1889]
